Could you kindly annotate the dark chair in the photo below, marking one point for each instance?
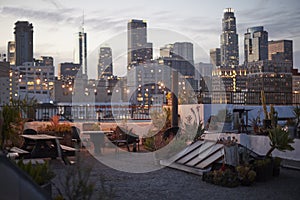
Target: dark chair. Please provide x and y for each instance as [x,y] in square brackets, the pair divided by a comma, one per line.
[30,132]
[76,136]
[170,131]
[122,138]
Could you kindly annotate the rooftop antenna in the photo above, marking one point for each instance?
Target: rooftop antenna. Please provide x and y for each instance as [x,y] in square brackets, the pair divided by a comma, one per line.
[82,23]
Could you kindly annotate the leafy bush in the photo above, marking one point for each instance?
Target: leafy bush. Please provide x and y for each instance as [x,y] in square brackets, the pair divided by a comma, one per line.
[40,173]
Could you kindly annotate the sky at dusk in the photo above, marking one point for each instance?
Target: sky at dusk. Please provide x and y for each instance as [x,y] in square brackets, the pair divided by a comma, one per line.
[56,23]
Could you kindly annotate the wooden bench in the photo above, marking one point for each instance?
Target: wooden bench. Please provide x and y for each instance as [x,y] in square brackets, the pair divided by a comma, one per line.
[68,151]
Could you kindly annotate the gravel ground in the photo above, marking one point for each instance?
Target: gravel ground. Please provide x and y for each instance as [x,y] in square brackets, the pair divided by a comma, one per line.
[169,183]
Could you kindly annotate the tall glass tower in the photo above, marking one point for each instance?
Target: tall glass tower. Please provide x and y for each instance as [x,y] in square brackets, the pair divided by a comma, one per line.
[229,40]
[24,42]
[138,48]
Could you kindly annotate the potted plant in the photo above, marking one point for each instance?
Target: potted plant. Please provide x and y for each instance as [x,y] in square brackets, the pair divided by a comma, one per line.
[246,174]
[225,176]
[280,140]
[263,168]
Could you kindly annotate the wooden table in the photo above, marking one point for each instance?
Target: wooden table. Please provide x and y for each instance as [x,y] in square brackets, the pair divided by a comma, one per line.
[98,139]
[42,146]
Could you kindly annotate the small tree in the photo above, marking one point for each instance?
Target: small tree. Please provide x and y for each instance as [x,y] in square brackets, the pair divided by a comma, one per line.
[12,125]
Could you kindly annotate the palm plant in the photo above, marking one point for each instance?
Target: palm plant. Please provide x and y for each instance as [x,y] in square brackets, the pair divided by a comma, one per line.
[279,139]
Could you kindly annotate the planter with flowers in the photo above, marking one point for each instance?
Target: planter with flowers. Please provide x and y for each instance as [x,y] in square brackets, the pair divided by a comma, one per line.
[55,128]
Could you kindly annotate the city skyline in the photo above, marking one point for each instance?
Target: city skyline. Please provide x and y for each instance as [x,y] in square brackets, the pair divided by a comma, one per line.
[56,25]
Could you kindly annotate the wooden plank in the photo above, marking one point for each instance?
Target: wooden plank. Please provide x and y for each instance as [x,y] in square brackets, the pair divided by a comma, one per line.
[212,158]
[185,151]
[67,148]
[193,170]
[40,137]
[186,158]
[203,155]
[18,150]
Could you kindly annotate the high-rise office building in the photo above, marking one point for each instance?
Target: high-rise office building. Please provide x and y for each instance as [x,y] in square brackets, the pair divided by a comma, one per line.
[256,44]
[184,50]
[215,56]
[139,50]
[105,66]
[281,50]
[23,42]
[229,40]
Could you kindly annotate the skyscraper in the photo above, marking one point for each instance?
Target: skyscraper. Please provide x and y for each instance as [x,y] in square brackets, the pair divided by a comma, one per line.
[256,44]
[229,40]
[105,66]
[138,48]
[83,51]
[23,42]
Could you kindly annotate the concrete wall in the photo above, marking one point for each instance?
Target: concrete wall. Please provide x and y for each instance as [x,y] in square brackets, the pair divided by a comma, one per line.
[258,144]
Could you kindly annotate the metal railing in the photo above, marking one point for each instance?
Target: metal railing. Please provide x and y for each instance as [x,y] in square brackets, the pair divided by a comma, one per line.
[108,112]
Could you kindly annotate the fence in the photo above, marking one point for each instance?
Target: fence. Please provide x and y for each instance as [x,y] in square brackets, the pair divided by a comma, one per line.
[121,111]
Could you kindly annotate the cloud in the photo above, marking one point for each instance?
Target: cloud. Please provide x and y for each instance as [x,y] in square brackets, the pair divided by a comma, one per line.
[56,4]
[278,22]
[50,16]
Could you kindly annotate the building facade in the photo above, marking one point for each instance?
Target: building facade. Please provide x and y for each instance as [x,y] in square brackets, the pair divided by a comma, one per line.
[281,50]
[11,52]
[215,57]
[184,50]
[34,81]
[23,42]
[4,83]
[296,87]
[275,78]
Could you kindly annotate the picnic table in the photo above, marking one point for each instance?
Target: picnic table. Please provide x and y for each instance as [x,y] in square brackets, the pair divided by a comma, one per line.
[45,146]
[42,146]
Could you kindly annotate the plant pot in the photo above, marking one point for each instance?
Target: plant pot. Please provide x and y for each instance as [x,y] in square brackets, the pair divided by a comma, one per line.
[264,172]
[267,123]
[47,187]
[246,182]
[276,171]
